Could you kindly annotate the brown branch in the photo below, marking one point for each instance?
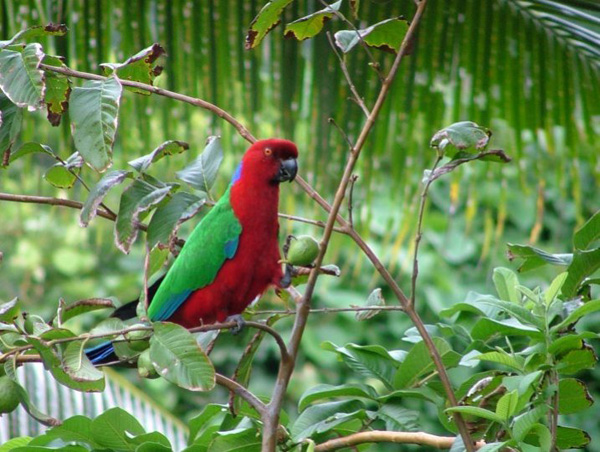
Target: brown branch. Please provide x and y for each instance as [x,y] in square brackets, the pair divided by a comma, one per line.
[331,310]
[242,392]
[375,436]
[56,202]
[286,370]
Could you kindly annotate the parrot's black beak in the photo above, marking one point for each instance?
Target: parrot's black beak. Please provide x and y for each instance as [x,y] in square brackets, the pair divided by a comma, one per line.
[287,171]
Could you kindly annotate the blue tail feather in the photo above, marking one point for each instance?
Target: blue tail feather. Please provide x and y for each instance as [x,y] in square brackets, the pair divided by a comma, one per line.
[99,353]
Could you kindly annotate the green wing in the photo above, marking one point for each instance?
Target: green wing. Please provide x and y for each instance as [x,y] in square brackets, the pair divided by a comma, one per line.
[214,240]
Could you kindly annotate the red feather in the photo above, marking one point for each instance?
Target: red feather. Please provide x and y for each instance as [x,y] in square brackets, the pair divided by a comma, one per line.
[255,266]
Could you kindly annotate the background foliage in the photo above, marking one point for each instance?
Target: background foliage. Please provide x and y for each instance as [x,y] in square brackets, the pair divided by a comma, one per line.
[528,70]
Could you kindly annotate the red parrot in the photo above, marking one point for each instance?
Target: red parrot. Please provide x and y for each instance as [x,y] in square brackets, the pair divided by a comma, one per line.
[233,255]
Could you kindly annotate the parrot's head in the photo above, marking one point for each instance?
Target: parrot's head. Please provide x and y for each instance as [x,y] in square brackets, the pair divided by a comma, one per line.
[274,159]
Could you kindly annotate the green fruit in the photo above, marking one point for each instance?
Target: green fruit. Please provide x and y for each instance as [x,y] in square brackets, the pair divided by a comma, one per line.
[138,340]
[9,395]
[145,367]
[303,251]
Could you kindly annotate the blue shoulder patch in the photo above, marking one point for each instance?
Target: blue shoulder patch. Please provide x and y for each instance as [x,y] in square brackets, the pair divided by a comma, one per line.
[171,306]
[237,174]
[231,247]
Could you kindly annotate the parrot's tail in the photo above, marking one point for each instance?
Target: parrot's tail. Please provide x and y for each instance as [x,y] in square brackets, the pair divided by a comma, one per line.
[101,354]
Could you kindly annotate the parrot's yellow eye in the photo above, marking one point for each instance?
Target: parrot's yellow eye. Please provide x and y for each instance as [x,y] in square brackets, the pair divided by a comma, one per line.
[268,151]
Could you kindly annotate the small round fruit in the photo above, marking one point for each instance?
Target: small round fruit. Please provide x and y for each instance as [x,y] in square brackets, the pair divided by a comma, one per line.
[145,367]
[9,397]
[138,340]
[303,251]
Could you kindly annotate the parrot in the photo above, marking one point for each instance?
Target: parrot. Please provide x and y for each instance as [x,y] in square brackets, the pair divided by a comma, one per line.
[232,256]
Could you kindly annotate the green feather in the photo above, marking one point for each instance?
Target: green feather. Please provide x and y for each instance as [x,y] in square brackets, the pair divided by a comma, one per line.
[213,241]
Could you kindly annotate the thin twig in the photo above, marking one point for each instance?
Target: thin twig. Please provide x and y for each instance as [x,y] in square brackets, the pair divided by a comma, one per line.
[419,233]
[376,436]
[353,180]
[330,310]
[357,98]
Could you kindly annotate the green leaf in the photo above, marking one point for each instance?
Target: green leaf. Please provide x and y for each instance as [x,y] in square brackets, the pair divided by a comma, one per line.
[369,360]
[154,440]
[98,192]
[462,136]
[210,413]
[158,256]
[64,175]
[137,198]
[76,429]
[507,404]
[324,391]
[534,257]
[20,77]
[14,443]
[506,283]
[32,410]
[266,19]
[577,360]
[485,328]
[493,447]
[573,396]
[238,440]
[476,411]
[35,32]
[94,111]
[178,358]
[386,35]
[418,362]
[202,172]
[475,303]
[31,148]
[308,26]
[583,310]
[323,417]
[588,233]
[58,90]
[171,147]
[571,438]
[522,314]
[10,123]
[398,418]
[375,299]
[114,428]
[170,216]
[69,377]
[141,67]
[552,291]
[584,264]
[9,310]
[78,366]
[513,361]
[524,422]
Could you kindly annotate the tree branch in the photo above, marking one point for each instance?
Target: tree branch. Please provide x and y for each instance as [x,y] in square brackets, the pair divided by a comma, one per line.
[242,392]
[376,436]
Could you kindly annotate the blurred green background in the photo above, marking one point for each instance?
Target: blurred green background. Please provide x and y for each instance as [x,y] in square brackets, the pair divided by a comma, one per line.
[530,71]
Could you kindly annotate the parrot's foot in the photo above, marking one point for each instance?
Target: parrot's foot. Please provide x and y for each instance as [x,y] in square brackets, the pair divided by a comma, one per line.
[286,281]
[239,323]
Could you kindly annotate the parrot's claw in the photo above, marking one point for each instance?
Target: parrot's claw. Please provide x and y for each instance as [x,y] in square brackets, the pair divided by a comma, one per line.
[286,281]
[239,323]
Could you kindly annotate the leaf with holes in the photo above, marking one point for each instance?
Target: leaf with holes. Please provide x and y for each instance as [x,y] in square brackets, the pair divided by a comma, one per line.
[202,172]
[573,396]
[142,67]
[20,77]
[309,26]
[386,35]
[58,91]
[93,112]
[177,357]
[136,199]
[266,19]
